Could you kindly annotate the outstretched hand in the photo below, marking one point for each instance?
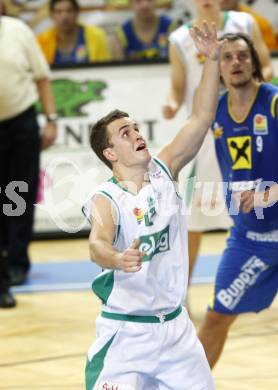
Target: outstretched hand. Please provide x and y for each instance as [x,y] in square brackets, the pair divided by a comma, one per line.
[206,40]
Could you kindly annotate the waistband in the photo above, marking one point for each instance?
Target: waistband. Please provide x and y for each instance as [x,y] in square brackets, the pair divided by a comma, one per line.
[158,318]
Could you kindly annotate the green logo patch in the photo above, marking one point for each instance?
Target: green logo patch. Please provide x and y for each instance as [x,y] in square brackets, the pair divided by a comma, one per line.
[155,243]
[70,96]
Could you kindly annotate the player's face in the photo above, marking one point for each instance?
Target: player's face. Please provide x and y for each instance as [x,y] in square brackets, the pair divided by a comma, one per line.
[236,66]
[65,16]
[227,5]
[129,147]
[207,5]
[143,8]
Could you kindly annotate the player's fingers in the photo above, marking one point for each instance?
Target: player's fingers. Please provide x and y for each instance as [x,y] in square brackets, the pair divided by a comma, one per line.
[132,268]
[206,28]
[133,253]
[135,244]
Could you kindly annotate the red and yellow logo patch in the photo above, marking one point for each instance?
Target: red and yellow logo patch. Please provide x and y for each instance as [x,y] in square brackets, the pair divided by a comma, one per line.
[138,213]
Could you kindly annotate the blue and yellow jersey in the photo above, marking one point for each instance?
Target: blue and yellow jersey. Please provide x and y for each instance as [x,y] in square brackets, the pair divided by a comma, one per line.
[247,152]
[134,48]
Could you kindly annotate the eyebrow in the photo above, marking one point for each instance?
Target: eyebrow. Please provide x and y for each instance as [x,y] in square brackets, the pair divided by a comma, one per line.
[127,125]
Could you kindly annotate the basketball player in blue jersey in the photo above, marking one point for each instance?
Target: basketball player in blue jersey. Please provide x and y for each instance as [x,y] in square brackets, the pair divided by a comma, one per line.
[246,139]
[145,340]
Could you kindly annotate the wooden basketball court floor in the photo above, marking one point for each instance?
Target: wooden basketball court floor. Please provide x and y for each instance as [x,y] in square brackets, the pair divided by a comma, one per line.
[43,342]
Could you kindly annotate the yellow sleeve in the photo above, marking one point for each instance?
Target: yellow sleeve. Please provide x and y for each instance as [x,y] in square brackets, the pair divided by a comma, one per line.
[273,105]
[47,42]
[97,44]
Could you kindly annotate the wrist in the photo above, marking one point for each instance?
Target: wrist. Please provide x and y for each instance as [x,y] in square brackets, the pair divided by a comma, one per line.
[117,261]
[52,118]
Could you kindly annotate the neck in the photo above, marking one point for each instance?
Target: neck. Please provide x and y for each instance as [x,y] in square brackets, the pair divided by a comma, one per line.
[68,36]
[214,15]
[130,179]
[245,95]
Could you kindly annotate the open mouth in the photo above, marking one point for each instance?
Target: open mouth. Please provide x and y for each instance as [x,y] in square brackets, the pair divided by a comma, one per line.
[142,146]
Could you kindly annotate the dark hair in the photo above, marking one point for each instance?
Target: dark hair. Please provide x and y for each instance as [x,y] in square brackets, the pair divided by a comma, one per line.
[74,3]
[257,74]
[99,139]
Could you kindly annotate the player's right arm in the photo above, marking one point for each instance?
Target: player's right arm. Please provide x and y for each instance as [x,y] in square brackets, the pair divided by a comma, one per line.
[102,236]
[178,82]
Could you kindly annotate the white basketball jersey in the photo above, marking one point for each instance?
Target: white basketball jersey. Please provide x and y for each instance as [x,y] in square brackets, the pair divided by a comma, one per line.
[234,22]
[156,215]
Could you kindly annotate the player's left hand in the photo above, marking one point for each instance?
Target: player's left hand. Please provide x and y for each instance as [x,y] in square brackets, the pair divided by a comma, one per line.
[49,135]
[206,40]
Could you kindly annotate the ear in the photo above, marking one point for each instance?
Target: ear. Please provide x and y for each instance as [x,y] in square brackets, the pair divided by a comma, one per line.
[110,154]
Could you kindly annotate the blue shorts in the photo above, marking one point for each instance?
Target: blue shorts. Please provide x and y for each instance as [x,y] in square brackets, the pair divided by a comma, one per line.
[247,276]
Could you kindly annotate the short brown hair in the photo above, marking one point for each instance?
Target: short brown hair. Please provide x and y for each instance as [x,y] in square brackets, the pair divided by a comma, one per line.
[99,137]
[257,74]
[74,4]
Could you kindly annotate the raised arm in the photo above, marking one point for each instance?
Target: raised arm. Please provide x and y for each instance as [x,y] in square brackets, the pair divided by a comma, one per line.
[102,236]
[263,52]
[189,140]
[178,83]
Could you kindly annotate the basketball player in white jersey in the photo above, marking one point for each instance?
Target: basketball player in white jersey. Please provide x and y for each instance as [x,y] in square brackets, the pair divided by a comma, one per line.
[145,339]
[207,212]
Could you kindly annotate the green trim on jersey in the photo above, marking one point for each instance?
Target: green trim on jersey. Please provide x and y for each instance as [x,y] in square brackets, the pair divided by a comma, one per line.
[144,319]
[103,285]
[109,197]
[226,18]
[167,171]
[164,167]
[189,188]
[95,366]
[116,181]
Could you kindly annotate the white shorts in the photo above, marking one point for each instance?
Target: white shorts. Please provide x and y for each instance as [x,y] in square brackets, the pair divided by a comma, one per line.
[206,209]
[147,356]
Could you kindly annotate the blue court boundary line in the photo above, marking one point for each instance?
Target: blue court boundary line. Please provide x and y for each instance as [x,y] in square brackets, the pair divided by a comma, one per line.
[78,275]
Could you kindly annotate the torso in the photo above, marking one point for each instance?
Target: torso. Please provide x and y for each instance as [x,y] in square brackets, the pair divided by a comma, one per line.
[156,215]
[247,154]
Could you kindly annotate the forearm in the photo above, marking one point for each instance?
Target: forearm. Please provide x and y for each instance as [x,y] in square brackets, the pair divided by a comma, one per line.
[104,254]
[267,72]
[176,96]
[46,96]
[206,96]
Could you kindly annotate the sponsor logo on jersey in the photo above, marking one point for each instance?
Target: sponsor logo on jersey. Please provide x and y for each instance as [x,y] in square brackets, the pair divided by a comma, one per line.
[139,214]
[217,131]
[155,243]
[260,124]
[156,174]
[201,58]
[240,152]
[114,386]
[248,276]
[243,128]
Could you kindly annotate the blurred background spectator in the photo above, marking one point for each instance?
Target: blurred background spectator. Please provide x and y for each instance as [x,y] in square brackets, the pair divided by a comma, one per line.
[24,79]
[267,30]
[145,35]
[69,41]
